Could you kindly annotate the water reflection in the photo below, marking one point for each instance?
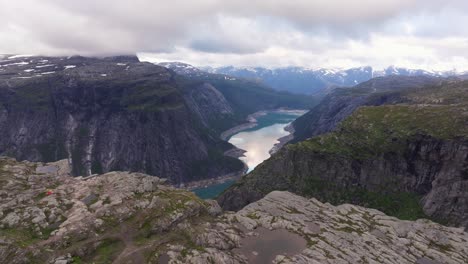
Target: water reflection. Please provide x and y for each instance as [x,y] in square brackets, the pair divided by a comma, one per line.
[258,143]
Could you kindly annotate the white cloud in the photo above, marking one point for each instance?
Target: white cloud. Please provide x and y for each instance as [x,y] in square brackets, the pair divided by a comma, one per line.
[320,33]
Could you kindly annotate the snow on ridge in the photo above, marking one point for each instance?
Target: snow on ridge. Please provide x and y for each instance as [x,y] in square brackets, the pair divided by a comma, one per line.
[45,73]
[43,66]
[17,63]
[69,67]
[20,56]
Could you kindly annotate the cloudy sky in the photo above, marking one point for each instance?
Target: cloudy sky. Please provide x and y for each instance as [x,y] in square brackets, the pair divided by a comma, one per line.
[428,34]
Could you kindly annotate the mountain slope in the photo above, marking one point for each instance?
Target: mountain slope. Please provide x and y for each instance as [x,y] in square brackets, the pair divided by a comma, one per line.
[120,217]
[245,95]
[343,101]
[103,115]
[408,159]
[117,113]
[318,81]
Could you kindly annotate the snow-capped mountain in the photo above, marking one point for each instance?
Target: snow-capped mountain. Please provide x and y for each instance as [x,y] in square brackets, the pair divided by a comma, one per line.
[317,81]
[182,68]
[305,80]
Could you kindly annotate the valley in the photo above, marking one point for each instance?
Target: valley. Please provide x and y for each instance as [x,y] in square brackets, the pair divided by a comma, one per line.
[401,150]
[255,141]
[117,113]
[233,132]
[93,155]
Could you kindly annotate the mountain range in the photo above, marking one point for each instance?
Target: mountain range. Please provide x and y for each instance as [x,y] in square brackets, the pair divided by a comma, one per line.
[397,143]
[92,150]
[117,113]
[305,80]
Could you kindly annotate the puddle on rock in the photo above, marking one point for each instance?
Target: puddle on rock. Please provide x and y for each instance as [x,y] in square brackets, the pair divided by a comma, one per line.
[270,243]
[163,259]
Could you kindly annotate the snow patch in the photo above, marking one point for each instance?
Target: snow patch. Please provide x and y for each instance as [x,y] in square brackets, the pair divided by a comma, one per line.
[19,56]
[43,66]
[69,67]
[17,63]
[29,70]
[45,73]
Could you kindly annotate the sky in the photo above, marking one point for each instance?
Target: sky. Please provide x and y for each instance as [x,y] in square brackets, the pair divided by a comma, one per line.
[425,34]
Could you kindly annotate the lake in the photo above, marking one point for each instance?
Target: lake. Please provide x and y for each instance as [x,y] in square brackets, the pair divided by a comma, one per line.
[257,142]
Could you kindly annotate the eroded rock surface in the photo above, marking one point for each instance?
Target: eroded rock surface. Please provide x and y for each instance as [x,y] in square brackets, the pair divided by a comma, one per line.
[46,216]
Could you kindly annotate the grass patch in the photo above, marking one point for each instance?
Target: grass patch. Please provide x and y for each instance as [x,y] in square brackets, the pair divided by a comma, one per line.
[374,130]
[21,237]
[253,215]
[403,205]
[107,251]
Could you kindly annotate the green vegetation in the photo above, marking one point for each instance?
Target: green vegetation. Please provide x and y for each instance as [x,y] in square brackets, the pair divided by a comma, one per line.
[371,131]
[153,99]
[22,237]
[76,260]
[433,112]
[253,215]
[107,251]
[403,205]
[249,97]
[32,96]
[215,163]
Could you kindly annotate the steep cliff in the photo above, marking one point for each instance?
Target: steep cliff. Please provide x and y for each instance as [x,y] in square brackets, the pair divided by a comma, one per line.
[46,216]
[106,114]
[343,101]
[408,159]
[117,113]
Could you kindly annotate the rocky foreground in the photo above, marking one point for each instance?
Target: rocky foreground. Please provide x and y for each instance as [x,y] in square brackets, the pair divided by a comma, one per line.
[46,216]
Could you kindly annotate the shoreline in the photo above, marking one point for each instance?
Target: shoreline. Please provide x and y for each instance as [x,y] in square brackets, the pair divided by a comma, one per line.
[234,153]
[252,121]
[237,152]
[283,140]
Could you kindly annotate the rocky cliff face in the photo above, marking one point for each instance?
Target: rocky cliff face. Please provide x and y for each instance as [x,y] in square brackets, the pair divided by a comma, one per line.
[433,170]
[408,159]
[109,114]
[105,114]
[342,102]
[46,216]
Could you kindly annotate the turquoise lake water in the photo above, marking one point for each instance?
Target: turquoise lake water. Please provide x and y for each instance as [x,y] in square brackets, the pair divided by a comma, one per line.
[257,142]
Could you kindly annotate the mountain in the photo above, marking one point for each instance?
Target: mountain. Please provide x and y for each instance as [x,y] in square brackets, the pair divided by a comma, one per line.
[342,102]
[318,81]
[403,151]
[116,113]
[46,216]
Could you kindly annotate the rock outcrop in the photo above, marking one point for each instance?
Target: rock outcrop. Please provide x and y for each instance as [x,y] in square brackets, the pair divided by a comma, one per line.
[408,159]
[106,114]
[120,217]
